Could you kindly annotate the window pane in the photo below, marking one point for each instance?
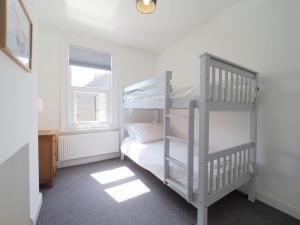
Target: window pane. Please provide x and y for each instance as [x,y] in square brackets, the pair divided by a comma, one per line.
[90,77]
[101,107]
[90,107]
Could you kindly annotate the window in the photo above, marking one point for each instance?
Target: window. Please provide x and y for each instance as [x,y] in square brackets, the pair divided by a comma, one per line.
[90,88]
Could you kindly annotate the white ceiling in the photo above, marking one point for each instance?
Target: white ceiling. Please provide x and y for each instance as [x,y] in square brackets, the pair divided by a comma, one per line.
[119,22]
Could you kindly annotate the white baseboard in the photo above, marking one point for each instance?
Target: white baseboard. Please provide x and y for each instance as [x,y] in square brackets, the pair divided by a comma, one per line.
[75,162]
[277,204]
[35,212]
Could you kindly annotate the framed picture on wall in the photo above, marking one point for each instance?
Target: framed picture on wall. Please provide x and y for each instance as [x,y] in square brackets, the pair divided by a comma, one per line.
[16,32]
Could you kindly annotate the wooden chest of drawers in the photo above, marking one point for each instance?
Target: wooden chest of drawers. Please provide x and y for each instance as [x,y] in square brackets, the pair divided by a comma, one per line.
[47,157]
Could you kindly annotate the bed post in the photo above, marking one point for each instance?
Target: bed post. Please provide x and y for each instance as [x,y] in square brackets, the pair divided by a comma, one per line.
[203,140]
[122,131]
[168,77]
[253,138]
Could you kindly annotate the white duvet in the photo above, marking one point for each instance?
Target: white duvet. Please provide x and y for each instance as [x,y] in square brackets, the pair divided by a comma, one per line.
[177,92]
[150,157]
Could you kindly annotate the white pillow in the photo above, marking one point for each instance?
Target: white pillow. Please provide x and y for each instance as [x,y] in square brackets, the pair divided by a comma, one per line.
[145,132]
[130,130]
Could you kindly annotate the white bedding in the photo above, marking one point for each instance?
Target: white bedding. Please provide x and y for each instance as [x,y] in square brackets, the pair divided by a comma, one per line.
[150,157]
[177,92]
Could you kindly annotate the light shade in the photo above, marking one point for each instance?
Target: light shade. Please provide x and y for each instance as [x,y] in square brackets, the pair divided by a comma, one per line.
[146,6]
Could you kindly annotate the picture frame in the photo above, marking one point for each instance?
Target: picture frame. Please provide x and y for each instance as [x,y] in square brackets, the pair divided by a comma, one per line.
[16,32]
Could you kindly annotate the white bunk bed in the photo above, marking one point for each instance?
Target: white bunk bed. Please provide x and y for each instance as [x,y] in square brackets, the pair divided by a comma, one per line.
[200,175]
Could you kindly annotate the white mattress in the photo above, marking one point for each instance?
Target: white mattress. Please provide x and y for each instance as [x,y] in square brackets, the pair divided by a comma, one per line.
[177,92]
[150,157]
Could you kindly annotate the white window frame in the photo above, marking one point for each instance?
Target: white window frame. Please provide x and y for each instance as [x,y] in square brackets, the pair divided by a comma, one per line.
[72,124]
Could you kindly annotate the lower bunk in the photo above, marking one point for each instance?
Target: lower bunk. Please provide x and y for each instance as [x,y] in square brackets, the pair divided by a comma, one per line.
[227,169]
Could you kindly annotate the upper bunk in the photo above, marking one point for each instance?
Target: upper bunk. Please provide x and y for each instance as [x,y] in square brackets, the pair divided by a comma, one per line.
[224,86]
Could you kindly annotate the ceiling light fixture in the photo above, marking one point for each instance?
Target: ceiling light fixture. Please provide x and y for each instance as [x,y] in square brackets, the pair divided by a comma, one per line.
[146,6]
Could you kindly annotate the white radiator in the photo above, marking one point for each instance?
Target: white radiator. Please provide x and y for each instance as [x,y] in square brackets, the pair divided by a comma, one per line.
[79,146]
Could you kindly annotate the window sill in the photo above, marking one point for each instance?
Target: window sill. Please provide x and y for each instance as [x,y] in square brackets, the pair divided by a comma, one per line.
[86,130]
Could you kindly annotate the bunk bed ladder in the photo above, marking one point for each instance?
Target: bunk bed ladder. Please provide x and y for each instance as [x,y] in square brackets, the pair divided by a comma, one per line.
[185,191]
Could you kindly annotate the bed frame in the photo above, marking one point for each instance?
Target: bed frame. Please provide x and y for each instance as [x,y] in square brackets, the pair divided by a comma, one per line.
[224,86]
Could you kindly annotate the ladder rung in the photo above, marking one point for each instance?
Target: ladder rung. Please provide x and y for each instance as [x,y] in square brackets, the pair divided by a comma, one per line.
[176,162]
[176,116]
[176,139]
[178,187]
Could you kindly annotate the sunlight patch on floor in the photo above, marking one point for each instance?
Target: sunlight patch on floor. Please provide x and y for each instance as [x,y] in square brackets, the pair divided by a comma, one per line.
[127,190]
[109,176]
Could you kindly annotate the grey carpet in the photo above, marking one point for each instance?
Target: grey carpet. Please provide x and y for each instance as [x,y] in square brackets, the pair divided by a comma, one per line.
[78,199]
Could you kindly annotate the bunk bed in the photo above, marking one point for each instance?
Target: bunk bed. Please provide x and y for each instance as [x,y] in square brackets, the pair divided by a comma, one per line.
[200,175]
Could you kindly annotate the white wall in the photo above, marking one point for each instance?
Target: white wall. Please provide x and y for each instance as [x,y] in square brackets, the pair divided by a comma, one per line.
[263,35]
[18,98]
[15,202]
[128,66]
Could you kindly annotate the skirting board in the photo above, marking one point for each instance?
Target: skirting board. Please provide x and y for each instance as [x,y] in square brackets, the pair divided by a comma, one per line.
[75,162]
[277,204]
[35,212]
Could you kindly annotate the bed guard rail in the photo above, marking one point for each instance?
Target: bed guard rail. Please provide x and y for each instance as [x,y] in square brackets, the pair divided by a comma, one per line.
[144,90]
[228,169]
